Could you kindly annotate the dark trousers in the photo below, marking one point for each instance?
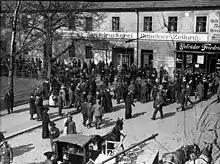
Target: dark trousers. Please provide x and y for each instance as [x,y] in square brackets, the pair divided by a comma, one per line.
[156,110]
[118,97]
[182,105]
[90,118]
[98,121]
[143,97]
[39,112]
[60,108]
[188,100]
[85,118]
[10,109]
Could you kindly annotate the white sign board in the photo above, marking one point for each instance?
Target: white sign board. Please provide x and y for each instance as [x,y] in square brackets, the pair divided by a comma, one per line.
[214,26]
[133,35]
[200,59]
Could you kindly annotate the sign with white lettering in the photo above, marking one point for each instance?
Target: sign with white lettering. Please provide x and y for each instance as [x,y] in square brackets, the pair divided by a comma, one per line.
[133,35]
[201,47]
[214,26]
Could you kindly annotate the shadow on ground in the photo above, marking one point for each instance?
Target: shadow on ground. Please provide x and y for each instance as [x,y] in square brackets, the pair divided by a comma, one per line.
[138,114]
[108,122]
[20,150]
[117,108]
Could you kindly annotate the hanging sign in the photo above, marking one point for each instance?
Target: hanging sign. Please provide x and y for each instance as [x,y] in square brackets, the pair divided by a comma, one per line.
[200,59]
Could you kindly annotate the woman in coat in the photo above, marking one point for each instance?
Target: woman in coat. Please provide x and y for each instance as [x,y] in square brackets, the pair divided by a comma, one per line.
[45,123]
[128,107]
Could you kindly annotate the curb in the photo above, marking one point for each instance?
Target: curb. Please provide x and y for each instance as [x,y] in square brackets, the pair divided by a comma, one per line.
[37,126]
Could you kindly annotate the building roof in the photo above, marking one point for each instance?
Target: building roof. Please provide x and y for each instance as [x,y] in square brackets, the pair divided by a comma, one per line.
[159,5]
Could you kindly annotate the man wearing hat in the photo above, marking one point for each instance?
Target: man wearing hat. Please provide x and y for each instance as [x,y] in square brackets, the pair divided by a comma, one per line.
[6,153]
[48,156]
[70,125]
[158,105]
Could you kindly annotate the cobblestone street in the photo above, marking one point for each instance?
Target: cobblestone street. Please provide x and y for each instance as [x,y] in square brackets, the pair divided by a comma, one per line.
[29,147]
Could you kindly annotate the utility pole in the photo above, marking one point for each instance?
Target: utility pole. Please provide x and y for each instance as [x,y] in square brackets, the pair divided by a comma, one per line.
[137,36]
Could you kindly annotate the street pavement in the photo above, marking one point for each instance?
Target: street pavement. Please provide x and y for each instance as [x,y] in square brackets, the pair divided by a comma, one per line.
[19,121]
[174,130]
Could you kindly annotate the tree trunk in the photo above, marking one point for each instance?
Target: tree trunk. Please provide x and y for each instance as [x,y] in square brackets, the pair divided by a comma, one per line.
[13,50]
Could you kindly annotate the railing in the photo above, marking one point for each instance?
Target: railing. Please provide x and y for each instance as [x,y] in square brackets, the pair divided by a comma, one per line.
[126,150]
[19,98]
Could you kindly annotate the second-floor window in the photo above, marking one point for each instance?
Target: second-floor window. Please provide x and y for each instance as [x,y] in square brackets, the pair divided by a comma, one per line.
[115,23]
[88,52]
[201,23]
[88,26]
[172,24]
[147,23]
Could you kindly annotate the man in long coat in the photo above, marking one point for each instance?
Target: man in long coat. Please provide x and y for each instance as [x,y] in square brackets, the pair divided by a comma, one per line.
[9,102]
[128,106]
[45,123]
[46,89]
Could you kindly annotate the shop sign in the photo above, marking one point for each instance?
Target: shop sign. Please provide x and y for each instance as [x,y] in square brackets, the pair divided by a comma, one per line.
[133,35]
[200,59]
[214,26]
[201,47]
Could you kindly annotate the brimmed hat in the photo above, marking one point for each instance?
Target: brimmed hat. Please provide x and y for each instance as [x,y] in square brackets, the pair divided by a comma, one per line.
[49,154]
[52,124]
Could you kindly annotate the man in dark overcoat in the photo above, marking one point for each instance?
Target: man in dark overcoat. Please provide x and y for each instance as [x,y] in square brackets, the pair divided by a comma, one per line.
[128,106]
[9,100]
[158,105]
[46,89]
[108,100]
[32,107]
[45,123]
[155,90]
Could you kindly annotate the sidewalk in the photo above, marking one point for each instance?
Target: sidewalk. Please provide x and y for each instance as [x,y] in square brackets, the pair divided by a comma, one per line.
[19,122]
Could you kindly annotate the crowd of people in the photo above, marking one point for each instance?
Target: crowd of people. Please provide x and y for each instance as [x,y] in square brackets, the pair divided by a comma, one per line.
[76,85]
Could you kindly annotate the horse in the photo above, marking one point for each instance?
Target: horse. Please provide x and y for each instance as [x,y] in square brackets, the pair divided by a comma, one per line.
[181,155]
[206,155]
[114,135]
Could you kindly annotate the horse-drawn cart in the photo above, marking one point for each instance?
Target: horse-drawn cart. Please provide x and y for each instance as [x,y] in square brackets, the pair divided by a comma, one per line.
[74,148]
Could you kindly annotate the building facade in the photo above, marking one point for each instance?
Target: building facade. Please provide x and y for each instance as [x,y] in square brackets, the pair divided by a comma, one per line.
[171,35]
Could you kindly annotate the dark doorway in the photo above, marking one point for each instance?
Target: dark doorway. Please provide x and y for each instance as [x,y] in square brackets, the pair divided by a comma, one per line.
[121,55]
[146,57]
[212,63]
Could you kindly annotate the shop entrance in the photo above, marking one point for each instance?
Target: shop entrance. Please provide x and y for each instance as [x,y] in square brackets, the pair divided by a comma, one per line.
[122,56]
[204,62]
[146,57]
